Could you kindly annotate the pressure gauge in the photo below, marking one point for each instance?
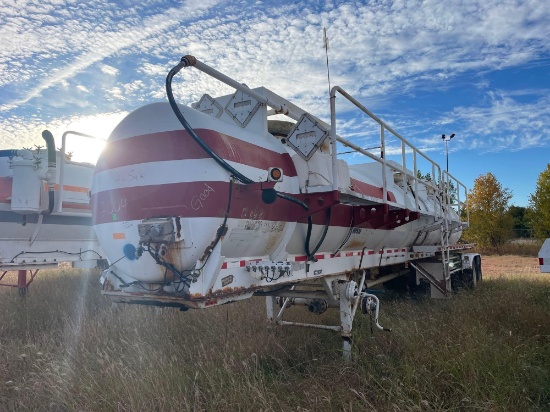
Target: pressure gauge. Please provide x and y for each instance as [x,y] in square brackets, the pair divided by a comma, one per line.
[307,136]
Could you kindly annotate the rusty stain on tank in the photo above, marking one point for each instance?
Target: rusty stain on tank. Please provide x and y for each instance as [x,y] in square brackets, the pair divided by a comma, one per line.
[173,256]
[354,244]
[274,235]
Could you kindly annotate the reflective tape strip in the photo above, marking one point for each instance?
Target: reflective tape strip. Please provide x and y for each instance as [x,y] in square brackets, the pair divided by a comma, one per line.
[234,264]
[303,258]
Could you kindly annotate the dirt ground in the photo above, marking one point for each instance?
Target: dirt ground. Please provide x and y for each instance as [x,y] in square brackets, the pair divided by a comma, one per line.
[495,266]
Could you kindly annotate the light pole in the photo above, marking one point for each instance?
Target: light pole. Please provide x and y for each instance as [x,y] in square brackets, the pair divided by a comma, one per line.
[447,140]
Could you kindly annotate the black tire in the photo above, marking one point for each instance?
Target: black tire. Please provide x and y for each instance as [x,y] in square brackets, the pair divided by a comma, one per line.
[471,277]
[477,269]
[468,278]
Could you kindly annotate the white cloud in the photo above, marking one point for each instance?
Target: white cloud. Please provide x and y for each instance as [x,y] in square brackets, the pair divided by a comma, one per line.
[379,51]
[91,43]
[109,70]
[506,124]
[116,93]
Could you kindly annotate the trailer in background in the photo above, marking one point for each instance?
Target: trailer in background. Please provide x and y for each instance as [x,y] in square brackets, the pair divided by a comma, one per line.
[45,212]
[544,257]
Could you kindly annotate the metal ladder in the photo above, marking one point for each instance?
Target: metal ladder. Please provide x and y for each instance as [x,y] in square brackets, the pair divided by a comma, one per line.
[446,205]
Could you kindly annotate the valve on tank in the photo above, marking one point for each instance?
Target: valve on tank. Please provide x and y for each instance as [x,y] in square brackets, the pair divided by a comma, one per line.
[159,230]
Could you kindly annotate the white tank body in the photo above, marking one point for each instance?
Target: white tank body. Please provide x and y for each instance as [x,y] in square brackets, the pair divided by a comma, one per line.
[153,169]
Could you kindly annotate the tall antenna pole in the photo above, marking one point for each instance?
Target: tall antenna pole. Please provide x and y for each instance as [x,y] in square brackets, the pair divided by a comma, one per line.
[325,40]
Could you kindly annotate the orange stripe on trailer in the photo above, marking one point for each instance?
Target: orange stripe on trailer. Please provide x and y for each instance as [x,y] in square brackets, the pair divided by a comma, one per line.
[119,236]
[78,189]
[69,188]
[83,206]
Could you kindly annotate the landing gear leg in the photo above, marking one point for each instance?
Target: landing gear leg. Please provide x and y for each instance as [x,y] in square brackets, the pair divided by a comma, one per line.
[22,282]
[348,293]
[272,309]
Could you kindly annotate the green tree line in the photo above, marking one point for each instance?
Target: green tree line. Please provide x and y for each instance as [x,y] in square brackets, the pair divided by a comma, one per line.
[493,221]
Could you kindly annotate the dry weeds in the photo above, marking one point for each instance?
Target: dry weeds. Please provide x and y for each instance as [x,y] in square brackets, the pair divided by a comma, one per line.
[515,266]
[66,348]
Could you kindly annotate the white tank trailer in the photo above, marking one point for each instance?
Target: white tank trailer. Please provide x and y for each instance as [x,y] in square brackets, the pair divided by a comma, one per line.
[214,203]
[45,212]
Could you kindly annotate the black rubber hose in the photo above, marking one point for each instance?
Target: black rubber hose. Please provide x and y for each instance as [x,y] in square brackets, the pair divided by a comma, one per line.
[325,230]
[51,201]
[349,232]
[184,63]
[308,235]
[293,200]
[311,255]
[223,227]
[50,145]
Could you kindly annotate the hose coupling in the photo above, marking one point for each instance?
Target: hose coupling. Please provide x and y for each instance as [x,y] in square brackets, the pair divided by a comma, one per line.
[188,60]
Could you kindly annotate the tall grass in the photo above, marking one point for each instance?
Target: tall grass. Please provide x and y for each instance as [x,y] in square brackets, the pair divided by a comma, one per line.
[518,247]
[66,348]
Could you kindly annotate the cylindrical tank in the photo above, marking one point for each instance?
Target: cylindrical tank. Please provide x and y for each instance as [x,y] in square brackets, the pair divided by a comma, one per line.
[153,169]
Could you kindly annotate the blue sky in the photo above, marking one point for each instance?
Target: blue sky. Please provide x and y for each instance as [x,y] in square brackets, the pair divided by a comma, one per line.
[476,68]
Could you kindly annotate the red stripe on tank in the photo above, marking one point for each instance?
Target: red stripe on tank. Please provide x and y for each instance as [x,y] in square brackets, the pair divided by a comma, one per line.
[370,190]
[205,199]
[193,199]
[179,145]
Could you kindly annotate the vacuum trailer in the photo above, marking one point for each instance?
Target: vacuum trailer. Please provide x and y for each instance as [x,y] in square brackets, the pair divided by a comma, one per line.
[218,202]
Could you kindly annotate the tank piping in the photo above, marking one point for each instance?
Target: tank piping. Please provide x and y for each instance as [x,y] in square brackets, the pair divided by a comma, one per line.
[50,144]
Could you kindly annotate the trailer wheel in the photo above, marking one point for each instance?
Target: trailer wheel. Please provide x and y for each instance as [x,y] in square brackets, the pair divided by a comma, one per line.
[473,276]
[476,267]
[463,280]
[468,277]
